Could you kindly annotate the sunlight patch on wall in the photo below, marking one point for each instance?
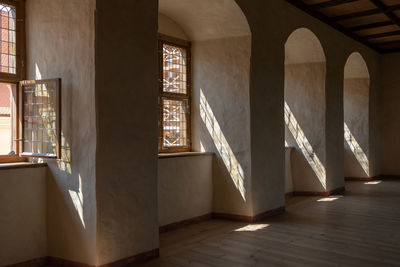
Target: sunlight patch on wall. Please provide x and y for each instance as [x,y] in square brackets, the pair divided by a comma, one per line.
[231,163]
[77,200]
[38,75]
[356,149]
[305,145]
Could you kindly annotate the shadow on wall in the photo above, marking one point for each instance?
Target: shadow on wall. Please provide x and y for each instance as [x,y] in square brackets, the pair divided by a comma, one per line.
[305,146]
[228,157]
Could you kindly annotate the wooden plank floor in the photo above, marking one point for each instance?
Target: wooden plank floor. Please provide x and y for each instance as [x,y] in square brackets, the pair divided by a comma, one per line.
[362,228]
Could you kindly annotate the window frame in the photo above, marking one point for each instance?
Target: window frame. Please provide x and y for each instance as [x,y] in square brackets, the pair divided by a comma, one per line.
[15,79]
[165,39]
[21,138]
[20,56]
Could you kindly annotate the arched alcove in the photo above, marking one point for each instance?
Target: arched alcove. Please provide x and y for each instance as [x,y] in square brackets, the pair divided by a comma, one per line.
[220,39]
[305,73]
[356,117]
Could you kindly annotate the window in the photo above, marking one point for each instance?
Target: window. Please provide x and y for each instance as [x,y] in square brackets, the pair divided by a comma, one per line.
[11,72]
[174,99]
[41,118]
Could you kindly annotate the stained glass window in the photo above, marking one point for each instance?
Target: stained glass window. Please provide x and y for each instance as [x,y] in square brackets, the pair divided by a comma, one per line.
[8,39]
[174,98]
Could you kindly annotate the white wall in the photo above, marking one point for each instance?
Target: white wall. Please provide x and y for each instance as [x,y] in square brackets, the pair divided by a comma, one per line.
[23,209]
[185,188]
[60,44]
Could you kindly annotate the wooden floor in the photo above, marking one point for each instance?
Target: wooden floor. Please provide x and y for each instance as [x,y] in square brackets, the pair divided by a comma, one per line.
[362,228]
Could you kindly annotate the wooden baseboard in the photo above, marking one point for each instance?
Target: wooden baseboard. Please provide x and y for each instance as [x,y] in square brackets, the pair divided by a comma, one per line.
[137,259]
[388,177]
[359,179]
[53,261]
[184,223]
[41,262]
[249,219]
[289,195]
[337,191]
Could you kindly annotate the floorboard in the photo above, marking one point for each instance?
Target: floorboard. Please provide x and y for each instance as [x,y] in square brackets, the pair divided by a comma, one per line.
[361,228]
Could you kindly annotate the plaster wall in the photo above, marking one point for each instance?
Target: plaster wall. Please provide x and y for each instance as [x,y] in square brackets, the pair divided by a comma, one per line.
[221,77]
[60,44]
[267,95]
[185,188]
[127,128]
[288,170]
[23,215]
[390,122]
[356,117]
[305,96]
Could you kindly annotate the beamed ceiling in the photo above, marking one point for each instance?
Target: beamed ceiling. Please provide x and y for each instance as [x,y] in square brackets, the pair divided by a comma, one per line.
[375,23]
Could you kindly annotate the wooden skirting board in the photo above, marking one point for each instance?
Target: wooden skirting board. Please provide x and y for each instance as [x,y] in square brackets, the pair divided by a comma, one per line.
[337,191]
[52,261]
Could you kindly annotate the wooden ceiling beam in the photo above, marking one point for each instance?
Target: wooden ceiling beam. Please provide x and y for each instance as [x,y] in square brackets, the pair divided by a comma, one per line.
[331,3]
[371,26]
[302,6]
[389,13]
[380,35]
[365,13]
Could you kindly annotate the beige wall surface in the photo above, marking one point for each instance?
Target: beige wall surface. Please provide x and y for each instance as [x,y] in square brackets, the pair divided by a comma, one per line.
[356,98]
[305,96]
[221,118]
[127,128]
[390,122]
[23,234]
[220,100]
[60,44]
[184,188]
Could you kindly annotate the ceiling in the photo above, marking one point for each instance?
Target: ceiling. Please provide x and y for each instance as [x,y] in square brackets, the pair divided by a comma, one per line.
[375,23]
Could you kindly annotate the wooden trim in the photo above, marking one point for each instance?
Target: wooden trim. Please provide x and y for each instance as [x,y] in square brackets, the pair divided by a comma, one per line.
[337,191]
[249,219]
[360,179]
[53,261]
[12,159]
[184,223]
[388,177]
[21,165]
[135,260]
[31,263]
[173,40]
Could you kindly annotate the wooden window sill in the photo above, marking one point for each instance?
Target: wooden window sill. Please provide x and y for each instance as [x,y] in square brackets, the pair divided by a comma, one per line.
[21,165]
[183,154]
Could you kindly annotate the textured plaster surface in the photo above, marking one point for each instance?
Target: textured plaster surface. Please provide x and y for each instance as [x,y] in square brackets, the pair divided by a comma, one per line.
[390,122]
[288,170]
[23,215]
[185,188]
[206,19]
[127,128]
[305,95]
[60,44]
[221,74]
[356,114]
[356,117]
